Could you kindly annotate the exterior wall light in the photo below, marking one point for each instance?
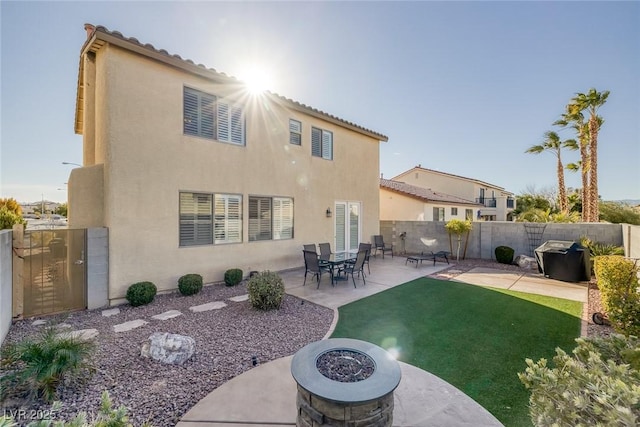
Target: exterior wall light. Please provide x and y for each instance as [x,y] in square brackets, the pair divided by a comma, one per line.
[328,213]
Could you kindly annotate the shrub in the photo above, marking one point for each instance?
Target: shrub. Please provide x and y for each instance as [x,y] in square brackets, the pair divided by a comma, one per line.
[599,249]
[232,276]
[266,290]
[618,282]
[35,367]
[190,284]
[504,254]
[598,385]
[9,218]
[141,293]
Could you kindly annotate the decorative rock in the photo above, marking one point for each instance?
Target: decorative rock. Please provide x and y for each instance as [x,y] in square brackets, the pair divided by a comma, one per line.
[167,315]
[110,312]
[39,322]
[169,348]
[215,305]
[127,326]
[240,298]
[525,261]
[82,334]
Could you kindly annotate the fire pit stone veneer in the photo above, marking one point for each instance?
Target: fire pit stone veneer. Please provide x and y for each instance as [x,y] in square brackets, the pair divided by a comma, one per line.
[344,382]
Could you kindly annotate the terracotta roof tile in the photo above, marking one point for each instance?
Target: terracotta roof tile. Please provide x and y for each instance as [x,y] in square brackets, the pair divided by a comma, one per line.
[424,194]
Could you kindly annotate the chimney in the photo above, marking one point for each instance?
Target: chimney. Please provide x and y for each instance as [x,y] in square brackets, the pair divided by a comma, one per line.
[90,29]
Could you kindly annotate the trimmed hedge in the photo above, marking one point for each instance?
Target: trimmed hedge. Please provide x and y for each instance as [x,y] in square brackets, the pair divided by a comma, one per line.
[504,254]
[232,276]
[190,284]
[141,293]
[618,282]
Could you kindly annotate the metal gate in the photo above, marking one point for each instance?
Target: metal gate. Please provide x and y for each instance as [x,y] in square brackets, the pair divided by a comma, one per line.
[54,271]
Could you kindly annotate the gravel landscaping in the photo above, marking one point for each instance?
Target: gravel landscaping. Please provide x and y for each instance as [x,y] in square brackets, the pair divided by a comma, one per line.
[227,340]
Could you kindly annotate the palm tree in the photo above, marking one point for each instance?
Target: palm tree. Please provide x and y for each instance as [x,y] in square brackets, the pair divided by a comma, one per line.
[553,143]
[592,101]
[573,117]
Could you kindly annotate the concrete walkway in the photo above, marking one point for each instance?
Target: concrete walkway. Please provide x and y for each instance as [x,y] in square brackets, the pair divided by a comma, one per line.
[266,395]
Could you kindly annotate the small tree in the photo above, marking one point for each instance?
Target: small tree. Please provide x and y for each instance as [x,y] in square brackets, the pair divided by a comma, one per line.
[458,228]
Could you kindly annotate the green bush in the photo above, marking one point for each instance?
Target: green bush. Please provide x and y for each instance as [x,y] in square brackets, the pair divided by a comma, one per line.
[190,284]
[598,386]
[504,254]
[618,282]
[9,218]
[266,290]
[232,276]
[34,367]
[141,293]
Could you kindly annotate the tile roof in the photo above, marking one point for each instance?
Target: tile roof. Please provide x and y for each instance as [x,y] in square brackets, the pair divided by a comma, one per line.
[424,194]
[98,35]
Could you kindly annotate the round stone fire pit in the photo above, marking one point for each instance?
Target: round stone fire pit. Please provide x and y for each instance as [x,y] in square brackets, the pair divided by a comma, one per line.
[342,380]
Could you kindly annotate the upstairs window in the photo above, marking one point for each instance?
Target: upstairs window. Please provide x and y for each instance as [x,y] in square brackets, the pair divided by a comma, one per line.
[209,117]
[322,143]
[295,132]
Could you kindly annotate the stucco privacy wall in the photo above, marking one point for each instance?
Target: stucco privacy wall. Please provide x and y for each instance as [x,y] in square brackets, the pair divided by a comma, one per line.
[148,161]
[486,236]
[97,262]
[631,237]
[6,282]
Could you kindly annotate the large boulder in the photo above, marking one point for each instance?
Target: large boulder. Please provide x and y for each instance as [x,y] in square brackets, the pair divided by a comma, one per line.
[169,348]
[526,262]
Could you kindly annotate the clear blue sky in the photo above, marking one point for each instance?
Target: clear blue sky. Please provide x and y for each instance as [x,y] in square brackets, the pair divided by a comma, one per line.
[461,87]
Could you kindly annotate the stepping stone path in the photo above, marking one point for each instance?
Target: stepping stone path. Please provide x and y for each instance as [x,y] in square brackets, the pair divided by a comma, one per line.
[127,326]
[110,312]
[240,298]
[167,315]
[39,322]
[215,305]
[82,334]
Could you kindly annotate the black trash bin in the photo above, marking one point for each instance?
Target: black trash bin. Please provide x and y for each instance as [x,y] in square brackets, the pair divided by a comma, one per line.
[564,260]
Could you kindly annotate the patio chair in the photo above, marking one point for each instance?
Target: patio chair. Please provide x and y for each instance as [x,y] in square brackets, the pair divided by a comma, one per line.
[357,267]
[378,244]
[311,248]
[312,265]
[325,249]
[364,247]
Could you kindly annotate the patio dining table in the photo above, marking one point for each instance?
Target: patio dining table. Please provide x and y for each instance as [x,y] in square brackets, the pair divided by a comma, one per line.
[335,260]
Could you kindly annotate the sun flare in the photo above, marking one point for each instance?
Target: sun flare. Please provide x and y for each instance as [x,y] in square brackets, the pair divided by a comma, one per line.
[257,79]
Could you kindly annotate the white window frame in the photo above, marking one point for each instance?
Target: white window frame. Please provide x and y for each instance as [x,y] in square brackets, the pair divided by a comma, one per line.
[321,143]
[275,221]
[216,218]
[225,124]
[295,132]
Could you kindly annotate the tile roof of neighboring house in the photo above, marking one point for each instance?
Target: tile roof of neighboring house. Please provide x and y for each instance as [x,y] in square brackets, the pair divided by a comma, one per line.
[99,35]
[477,181]
[424,194]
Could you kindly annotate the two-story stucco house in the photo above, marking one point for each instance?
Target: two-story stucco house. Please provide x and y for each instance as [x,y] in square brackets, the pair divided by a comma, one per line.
[496,204]
[192,174]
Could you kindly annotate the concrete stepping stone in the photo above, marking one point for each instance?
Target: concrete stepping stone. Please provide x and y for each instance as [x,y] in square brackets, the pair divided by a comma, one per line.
[215,305]
[167,315]
[82,334]
[127,326]
[240,298]
[110,312]
[39,322]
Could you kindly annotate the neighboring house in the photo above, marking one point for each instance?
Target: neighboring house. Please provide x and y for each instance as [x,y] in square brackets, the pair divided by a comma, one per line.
[400,201]
[192,174]
[497,203]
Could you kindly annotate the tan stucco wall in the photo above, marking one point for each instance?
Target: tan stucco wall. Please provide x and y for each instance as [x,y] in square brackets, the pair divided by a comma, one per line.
[148,161]
[398,207]
[86,197]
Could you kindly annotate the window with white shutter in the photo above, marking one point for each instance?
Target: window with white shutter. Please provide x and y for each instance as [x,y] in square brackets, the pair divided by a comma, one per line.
[295,132]
[228,218]
[322,143]
[270,218]
[195,219]
[207,116]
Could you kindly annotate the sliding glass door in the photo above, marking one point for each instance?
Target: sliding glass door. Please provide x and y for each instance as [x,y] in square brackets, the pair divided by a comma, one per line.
[347,226]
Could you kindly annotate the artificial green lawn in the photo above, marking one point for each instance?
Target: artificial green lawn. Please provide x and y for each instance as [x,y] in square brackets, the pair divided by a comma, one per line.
[474,338]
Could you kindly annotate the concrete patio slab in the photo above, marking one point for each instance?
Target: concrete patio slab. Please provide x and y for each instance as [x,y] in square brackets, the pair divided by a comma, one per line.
[534,283]
[421,399]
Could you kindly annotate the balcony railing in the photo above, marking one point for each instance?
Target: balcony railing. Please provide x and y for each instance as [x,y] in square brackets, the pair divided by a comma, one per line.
[487,202]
